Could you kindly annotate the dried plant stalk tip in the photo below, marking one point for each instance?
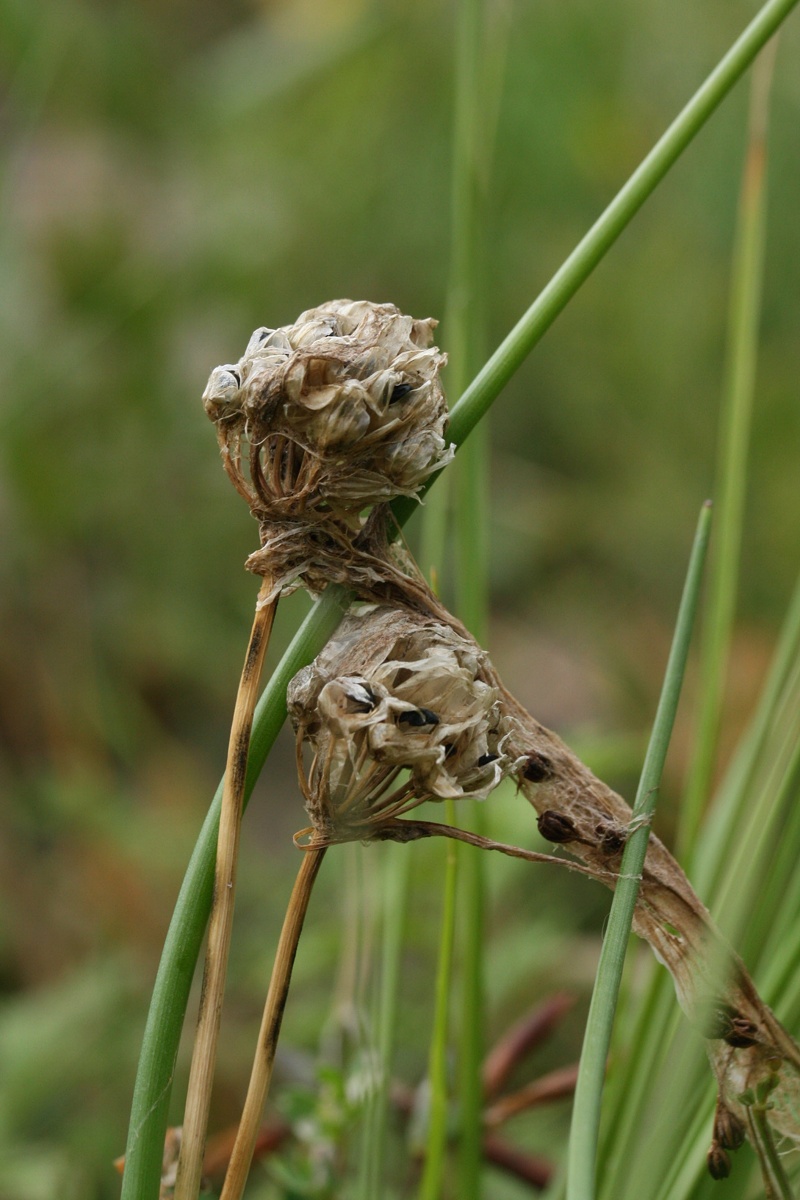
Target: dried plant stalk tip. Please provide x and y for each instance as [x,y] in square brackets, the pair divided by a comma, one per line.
[719,1164]
[556,827]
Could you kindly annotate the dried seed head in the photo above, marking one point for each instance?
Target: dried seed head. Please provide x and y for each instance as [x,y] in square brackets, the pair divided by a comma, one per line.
[341,410]
[322,419]
[392,692]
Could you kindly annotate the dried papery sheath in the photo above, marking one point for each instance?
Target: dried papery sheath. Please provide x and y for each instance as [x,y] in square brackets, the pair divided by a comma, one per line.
[398,708]
[746,1044]
[324,418]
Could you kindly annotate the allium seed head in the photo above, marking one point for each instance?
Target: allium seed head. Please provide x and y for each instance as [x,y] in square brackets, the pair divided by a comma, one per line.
[393,692]
[321,420]
[353,388]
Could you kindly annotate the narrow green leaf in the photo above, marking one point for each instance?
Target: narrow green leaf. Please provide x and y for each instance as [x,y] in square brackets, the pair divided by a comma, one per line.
[738,392]
[591,1076]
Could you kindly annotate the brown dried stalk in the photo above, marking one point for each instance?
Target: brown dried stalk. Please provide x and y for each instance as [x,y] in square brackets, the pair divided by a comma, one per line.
[264,1060]
[198,1096]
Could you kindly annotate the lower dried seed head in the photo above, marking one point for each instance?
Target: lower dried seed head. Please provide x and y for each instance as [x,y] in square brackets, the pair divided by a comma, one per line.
[394,692]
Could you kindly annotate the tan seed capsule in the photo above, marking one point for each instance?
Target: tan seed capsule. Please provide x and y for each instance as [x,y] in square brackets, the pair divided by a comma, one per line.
[556,827]
[719,1164]
[729,1131]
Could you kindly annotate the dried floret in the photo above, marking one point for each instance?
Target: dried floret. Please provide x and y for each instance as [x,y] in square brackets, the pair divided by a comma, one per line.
[395,692]
[324,418]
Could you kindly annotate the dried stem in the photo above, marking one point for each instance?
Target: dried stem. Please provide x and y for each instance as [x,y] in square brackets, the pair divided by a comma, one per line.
[557,1085]
[412,831]
[201,1076]
[264,1060]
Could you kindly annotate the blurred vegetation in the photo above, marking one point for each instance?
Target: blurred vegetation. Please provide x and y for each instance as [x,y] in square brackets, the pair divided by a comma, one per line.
[175,175]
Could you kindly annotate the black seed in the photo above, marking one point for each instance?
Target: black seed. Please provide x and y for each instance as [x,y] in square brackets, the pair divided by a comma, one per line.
[537,768]
[449,749]
[399,392]
[485,759]
[362,706]
[418,717]
[556,827]
[237,377]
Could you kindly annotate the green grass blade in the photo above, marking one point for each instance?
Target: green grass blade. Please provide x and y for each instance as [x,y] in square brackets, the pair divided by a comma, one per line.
[591,1076]
[395,897]
[182,946]
[591,249]
[739,388]
[478,83]
[436,1140]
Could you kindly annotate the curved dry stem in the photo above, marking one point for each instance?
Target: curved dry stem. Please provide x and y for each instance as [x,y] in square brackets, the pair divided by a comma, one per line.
[198,1097]
[264,1060]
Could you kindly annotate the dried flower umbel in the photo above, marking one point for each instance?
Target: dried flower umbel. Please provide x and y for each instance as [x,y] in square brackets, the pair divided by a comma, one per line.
[322,419]
[394,693]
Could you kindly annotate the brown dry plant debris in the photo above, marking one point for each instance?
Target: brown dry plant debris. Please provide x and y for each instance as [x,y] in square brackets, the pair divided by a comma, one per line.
[407,700]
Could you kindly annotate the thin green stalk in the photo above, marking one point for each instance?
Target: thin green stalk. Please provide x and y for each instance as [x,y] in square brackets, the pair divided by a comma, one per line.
[770,1159]
[471,175]
[591,1076]
[747,287]
[733,798]
[594,246]
[182,946]
[436,1140]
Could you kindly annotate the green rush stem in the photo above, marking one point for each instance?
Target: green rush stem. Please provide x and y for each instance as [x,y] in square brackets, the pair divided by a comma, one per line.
[481,393]
[152,1090]
[465,325]
[770,1159]
[721,833]
[736,417]
[395,904]
[437,1135]
[585,1128]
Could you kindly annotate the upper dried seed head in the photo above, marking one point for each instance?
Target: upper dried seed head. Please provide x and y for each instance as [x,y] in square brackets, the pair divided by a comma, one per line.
[395,691]
[336,412]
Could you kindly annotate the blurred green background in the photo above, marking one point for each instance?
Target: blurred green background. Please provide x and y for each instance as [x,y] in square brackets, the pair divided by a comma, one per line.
[176,174]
